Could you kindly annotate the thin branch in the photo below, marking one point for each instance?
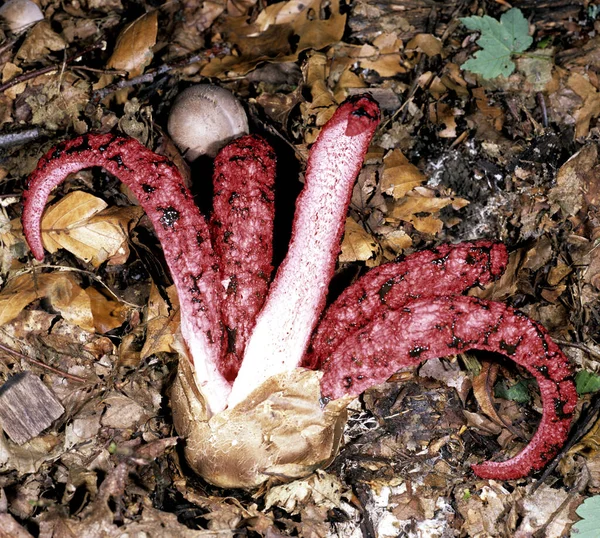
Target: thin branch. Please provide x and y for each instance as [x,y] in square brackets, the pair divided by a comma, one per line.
[43,365]
[19,137]
[149,76]
[49,69]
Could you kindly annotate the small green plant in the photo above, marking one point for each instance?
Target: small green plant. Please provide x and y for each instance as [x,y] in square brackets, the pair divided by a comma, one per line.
[586,382]
[589,526]
[499,42]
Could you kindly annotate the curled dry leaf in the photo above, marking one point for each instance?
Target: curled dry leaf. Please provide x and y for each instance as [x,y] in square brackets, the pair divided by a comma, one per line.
[79,224]
[280,431]
[133,51]
[359,245]
[399,175]
[62,290]
[272,34]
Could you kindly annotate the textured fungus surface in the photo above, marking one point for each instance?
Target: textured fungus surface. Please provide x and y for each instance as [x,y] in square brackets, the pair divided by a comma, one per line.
[399,314]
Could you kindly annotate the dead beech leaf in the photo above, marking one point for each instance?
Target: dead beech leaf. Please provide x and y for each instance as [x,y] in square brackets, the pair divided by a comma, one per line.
[359,245]
[133,51]
[442,114]
[591,103]
[414,209]
[482,389]
[427,43]
[162,322]
[572,180]
[280,33]
[108,313]
[79,224]
[399,175]
[73,303]
[39,42]
[62,289]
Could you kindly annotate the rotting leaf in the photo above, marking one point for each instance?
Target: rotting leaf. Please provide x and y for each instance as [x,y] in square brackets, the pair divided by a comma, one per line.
[320,488]
[78,223]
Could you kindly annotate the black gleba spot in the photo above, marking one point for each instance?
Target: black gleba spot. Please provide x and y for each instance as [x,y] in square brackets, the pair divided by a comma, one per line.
[170,216]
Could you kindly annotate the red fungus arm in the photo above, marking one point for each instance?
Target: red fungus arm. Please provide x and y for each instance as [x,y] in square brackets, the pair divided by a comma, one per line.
[181,229]
[297,295]
[435,327]
[242,230]
[444,270]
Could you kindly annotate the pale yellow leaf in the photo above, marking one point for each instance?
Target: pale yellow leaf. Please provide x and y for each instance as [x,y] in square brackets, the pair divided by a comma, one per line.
[79,224]
[358,245]
[399,175]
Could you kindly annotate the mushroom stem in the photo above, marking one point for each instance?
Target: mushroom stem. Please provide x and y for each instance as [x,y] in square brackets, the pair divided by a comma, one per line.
[298,293]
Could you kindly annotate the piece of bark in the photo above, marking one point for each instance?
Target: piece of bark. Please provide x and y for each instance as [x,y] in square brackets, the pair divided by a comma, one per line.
[27,407]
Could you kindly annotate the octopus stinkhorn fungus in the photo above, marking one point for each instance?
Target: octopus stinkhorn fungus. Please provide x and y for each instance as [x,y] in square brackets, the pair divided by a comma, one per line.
[258,399]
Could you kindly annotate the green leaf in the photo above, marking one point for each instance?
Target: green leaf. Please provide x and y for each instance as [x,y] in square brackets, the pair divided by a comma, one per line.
[589,526]
[499,41]
[586,382]
[517,393]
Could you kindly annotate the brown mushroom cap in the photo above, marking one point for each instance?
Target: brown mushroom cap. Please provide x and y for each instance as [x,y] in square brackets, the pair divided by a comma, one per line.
[204,118]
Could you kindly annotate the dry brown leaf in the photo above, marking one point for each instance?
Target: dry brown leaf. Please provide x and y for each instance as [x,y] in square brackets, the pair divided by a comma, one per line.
[162,323]
[442,114]
[133,51]
[482,389]
[399,175]
[495,114]
[591,103]
[414,209]
[108,313]
[427,43]
[359,245]
[79,224]
[72,302]
[62,289]
[572,178]
[39,42]
[280,33]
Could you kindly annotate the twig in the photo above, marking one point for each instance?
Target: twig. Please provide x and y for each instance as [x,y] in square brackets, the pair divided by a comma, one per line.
[43,365]
[102,93]
[19,137]
[87,273]
[577,345]
[49,69]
